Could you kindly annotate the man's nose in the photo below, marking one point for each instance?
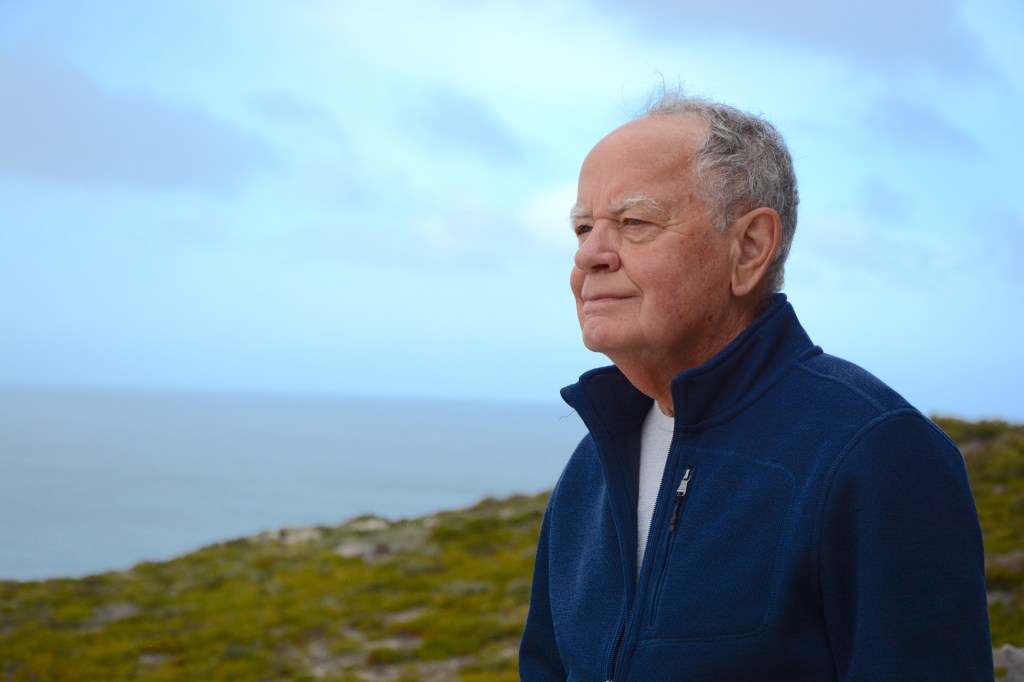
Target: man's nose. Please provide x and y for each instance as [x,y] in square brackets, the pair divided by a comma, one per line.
[599,249]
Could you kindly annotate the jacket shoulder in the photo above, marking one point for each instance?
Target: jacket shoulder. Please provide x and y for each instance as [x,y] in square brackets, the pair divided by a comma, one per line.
[850,382]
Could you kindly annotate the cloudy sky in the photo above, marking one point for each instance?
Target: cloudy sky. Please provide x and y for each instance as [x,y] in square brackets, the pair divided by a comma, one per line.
[370,198]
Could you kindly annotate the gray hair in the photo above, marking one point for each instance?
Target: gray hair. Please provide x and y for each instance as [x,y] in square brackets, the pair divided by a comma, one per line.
[742,164]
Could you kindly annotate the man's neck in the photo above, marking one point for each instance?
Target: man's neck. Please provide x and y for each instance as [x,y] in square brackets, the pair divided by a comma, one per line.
[652,374]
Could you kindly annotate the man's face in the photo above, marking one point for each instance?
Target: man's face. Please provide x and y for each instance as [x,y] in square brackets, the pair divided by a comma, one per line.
[651,275]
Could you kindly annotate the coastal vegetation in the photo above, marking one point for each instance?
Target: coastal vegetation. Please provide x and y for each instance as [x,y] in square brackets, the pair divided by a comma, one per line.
[994,452]
[442,597]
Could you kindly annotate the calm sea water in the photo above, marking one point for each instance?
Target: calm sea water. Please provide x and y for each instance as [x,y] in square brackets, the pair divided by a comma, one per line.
[102,479]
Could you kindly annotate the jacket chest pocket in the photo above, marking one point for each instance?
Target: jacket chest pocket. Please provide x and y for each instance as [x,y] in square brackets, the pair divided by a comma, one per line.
[718,573]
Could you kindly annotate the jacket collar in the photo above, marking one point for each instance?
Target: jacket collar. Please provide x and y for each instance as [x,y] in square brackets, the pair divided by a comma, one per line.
[705,394]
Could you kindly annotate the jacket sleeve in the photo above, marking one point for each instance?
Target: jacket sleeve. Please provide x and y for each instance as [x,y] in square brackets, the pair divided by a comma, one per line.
[538,652]
[901,564]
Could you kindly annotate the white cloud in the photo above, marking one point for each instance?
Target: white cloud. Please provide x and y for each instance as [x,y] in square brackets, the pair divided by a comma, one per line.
[58,125]
[843,246]
[914,127]
[545,219]
[448,121]
[888,38]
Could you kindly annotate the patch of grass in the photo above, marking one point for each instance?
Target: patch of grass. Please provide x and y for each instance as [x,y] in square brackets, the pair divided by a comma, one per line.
[424,593]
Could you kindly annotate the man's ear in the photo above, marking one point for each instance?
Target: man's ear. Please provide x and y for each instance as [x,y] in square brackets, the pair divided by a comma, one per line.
[757,234]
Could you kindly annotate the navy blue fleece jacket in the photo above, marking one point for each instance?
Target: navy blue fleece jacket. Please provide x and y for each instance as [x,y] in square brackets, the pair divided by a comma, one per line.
[825,530]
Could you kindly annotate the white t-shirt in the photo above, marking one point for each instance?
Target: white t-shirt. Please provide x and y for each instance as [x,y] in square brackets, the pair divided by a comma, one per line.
[655,440]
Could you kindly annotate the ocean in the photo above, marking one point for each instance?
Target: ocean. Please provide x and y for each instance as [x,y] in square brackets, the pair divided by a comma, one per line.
[98,480]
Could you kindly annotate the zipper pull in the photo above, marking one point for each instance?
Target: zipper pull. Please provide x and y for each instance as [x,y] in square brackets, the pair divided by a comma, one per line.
[680,494]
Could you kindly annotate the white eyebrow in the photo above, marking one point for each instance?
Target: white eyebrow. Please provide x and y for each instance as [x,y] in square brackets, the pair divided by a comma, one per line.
[577,212]
[636,201]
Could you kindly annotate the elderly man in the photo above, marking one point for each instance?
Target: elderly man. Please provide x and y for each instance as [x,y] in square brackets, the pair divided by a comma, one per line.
[745,507]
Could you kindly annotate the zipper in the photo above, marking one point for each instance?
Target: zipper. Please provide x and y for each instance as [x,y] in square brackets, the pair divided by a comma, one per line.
[680,498]
[614,662]
[617,648]
[677,512]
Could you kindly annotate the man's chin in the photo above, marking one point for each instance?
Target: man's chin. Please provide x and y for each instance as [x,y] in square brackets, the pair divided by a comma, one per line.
[601,343]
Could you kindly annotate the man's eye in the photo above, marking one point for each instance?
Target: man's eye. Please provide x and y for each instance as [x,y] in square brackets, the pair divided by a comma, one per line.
[582,230]
[633,222]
